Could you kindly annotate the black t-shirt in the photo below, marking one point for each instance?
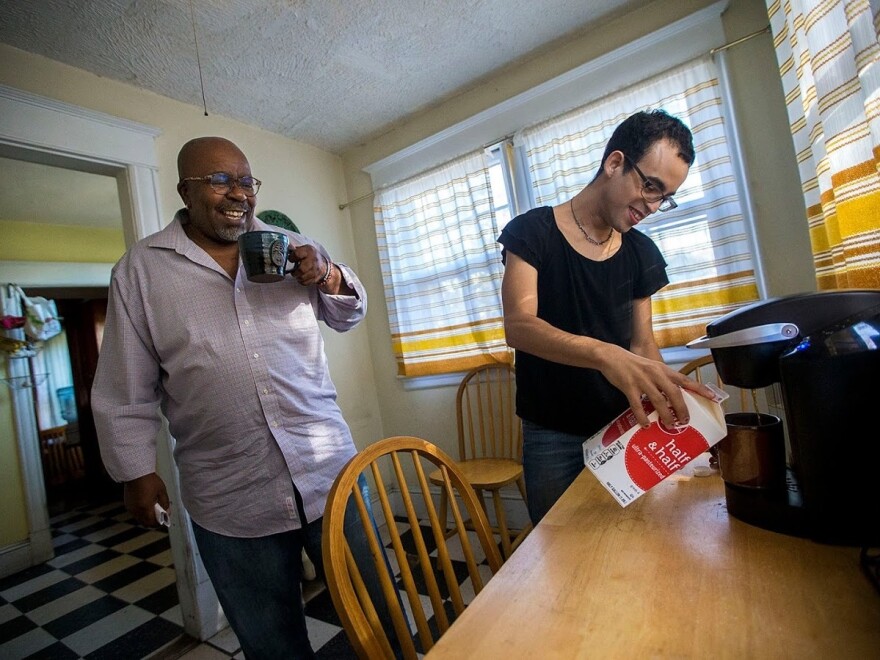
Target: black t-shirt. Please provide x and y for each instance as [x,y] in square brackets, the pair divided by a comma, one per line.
[582,297]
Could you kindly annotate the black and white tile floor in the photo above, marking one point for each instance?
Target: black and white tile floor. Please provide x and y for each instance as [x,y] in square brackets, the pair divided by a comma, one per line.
[110,592]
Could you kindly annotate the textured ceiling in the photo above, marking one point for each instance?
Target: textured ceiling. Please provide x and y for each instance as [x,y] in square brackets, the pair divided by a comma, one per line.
[331,73]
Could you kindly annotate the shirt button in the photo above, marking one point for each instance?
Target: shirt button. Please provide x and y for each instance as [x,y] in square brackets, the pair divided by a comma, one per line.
[265,390]
[246,322]
[275,424]
[238,289]
[256,355]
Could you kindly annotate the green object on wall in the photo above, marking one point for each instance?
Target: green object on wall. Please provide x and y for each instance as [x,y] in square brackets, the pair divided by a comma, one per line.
[278,219]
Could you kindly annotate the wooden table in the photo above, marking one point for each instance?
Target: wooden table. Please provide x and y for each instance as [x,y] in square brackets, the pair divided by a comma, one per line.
[671,575]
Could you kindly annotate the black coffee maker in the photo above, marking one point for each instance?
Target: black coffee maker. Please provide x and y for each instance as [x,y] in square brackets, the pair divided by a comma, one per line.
[824,350]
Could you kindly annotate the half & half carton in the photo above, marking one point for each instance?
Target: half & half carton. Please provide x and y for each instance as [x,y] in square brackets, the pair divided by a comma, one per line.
[629,460]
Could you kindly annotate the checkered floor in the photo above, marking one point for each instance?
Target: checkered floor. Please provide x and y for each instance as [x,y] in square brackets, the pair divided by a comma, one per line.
[110,592]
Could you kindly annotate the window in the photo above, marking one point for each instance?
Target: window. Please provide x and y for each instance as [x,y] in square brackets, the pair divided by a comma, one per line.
[499,178]
[442,269]
[705,240]
[437,231]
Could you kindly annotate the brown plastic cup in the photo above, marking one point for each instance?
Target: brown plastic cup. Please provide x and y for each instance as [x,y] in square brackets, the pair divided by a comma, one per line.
[753,453]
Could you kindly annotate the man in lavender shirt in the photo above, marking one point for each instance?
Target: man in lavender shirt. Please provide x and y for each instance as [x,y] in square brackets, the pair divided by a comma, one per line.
[238,368]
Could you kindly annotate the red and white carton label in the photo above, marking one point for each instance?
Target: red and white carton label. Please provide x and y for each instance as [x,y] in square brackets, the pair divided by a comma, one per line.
[629,460]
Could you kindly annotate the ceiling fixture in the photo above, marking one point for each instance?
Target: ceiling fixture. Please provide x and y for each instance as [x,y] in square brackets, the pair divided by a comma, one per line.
[192,17]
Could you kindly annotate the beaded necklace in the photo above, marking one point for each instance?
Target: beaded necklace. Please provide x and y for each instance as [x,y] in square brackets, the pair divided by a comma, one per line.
[584,231]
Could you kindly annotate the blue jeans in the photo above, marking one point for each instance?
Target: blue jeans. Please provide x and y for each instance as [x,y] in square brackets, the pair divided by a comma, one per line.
[257,581]
[552,460]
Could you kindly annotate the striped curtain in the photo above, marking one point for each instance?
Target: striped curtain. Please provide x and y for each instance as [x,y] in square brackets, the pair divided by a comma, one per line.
[705,240]
[442,269]
[829,61]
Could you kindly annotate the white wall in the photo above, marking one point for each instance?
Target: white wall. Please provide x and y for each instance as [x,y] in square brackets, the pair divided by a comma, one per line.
[299,180]
[770,164]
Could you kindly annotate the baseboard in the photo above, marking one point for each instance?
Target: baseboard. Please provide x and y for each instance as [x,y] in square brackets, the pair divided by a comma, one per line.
[19,556]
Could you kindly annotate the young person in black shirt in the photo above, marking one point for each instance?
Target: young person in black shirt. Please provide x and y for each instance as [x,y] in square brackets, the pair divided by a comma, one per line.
[577,289]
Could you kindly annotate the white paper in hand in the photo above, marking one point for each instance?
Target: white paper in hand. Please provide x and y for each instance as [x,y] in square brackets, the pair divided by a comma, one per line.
[161,515]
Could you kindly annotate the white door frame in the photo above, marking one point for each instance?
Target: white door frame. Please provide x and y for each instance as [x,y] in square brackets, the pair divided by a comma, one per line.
[43,130]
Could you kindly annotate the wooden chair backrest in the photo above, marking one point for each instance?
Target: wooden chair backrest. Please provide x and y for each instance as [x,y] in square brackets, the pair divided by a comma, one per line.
[53,451]
[702,370]
[399,456]
[486,414]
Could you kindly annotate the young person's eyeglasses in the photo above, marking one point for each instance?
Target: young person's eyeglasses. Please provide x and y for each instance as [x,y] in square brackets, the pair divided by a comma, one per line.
[650,192]
[222,183]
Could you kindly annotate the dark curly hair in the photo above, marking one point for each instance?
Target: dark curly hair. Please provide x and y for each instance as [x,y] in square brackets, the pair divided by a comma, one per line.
[635,135]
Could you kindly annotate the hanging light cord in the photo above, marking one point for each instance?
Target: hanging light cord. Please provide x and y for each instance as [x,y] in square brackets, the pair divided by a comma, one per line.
[192,17]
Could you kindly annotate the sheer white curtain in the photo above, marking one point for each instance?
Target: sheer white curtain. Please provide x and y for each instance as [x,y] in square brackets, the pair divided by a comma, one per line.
[705,240]
[51,369]
[442,269]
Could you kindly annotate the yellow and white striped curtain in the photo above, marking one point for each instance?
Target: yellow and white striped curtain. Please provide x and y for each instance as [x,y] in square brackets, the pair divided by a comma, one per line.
[705,240]
[829,56]
[442,269]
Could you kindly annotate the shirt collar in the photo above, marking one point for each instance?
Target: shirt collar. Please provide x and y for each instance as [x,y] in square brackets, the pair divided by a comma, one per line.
[172,237]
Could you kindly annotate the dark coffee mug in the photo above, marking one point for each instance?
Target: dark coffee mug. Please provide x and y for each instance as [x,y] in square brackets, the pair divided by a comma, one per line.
[264,255]
[753,453]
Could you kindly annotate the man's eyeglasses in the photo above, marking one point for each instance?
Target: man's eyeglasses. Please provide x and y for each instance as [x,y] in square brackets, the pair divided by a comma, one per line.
[222,183]
[650,192]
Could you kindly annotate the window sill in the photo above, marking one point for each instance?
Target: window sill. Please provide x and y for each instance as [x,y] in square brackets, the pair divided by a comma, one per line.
[431,382]
[674,356]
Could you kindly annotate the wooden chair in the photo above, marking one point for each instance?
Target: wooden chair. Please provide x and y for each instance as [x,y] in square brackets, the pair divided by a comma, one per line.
[398,468]
[62,462]
[702,370]
[490,443]
[695,368]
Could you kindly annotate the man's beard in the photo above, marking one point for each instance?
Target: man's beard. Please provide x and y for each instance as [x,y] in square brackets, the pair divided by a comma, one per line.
[230,234]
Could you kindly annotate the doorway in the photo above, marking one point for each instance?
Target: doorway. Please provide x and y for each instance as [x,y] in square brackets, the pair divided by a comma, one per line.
[42,130]
[78,478]
[62,228]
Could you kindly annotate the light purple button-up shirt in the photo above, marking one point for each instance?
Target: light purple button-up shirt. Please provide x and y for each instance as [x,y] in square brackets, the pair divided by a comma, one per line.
[239,371]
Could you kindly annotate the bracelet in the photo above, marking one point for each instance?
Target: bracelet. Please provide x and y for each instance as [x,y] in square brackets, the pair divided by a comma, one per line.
[327,275]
